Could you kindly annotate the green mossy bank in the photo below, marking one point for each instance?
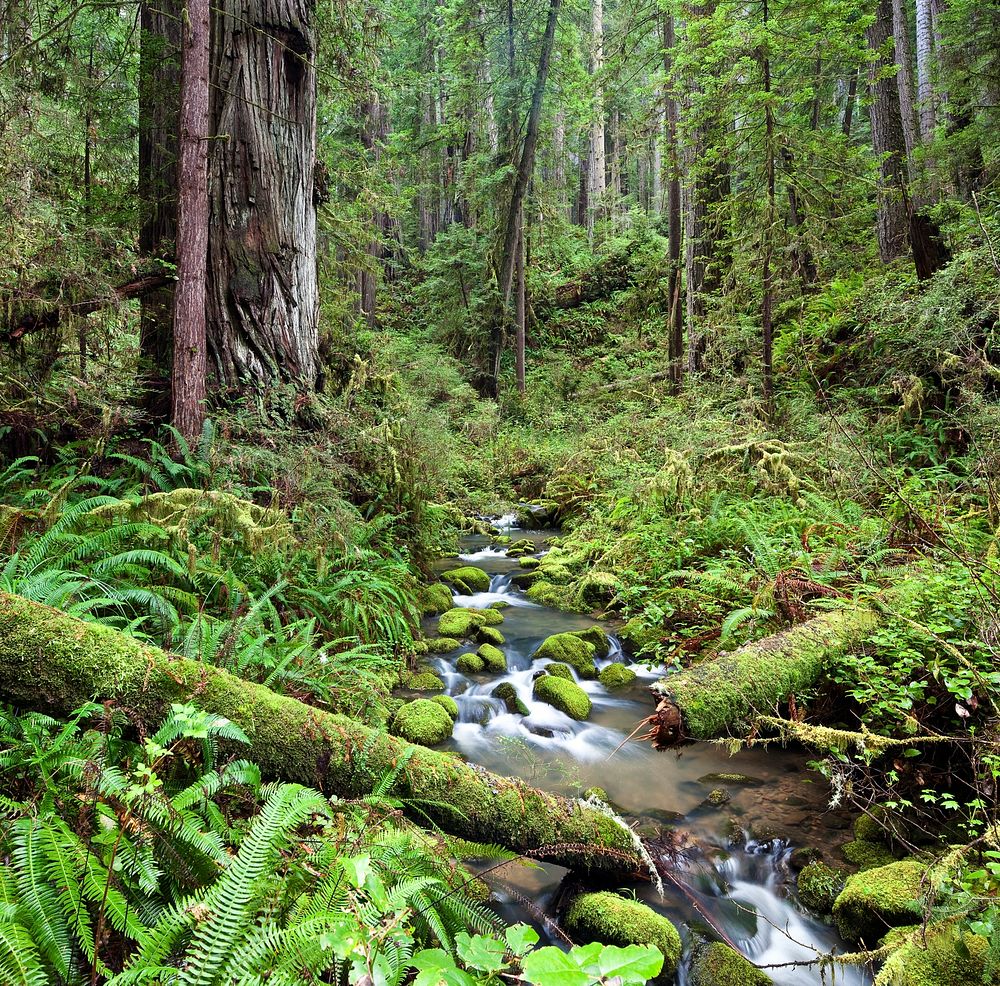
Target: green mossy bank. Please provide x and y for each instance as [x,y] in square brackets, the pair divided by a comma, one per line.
[52,661]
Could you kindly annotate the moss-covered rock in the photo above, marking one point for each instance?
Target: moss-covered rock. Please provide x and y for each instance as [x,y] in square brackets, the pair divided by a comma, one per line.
[614,920]
[546,593]
[597,637]
[507,694]
[490,635]
[868,826]
[945,955]
[717,798]
[716,964]
[878,899]
[434,599]
[493,658]
[866,855]
[567,696]
[721,777]
[470,664]
[461,622]
[529,562]
[420,647]
[555,573]
[597,589]
[423,721]
[468,579]
[499,604]
[421,681]
[560,670]
[639,637]
[616,676]
[818,886]
[568,648]
[448,704]
[442,645]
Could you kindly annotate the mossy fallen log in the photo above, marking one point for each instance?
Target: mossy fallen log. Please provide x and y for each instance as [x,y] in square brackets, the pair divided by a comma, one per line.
[52,661]
[726,693]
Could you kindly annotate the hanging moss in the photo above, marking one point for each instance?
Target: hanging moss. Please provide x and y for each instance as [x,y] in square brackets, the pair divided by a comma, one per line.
[53,662]
[614,920]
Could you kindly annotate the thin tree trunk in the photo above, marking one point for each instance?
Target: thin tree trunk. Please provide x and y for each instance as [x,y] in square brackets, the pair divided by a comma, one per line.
[925,59]
[598,161]
[508,252]
[767,282]
[520,307]
[374,131]
[675,327]
[888,141]
[852,98]
[189,363]
[904,59]
[264,297]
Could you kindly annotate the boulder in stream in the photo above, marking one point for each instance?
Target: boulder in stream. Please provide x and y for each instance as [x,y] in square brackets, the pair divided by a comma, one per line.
[462,622]
[424,721]
[442,645]
[493,658]
[614,920]
[434,599]
[470,664]
[716,964]
[448,704]
[597,637]
[616,676]
[880,898]
[468,579]
[507,694]
[421,681]
[489,635]
[560,670]
[566,696]
[571,649]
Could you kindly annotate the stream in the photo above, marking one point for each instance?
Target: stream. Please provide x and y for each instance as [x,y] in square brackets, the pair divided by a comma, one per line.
[734,856]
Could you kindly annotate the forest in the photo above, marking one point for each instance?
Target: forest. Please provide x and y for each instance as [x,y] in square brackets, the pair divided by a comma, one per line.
[500,491]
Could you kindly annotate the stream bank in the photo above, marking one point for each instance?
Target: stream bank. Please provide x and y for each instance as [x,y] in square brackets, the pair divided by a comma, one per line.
[734,821]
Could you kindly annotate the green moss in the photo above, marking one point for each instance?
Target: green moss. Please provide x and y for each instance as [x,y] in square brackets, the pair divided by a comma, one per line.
[424,722]
[420,647]
[490,635]
[567,696]
[529,562]
[499,604]
[718,965]
[547,593]
[639,637]
[868,826]
[597,637]
[493,658]
[614,920]
[560,670]
[434,599]
[866,855]
[461,622]
[448,704]
[616,676]
[468,579]
[945,955]
[724,778]
[442,645]
[507,694]
[470,664]
[880,898]
[597,589]
[421,681]
[818,886]
[568,648]
[717,798]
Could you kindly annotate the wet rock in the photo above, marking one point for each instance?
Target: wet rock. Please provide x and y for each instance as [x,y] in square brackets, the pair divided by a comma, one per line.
[716,964]
[597,637]
[424,722]
[490,635]
[524,580]
[571,649]
[468,580]
[800,858]
[493,658]
[499,604]
[433,599]
[616,676]
[470,664]
[448,704]
[559,670]
[566,696]
[717,798]
[507,694]
[743,780]
[461,622]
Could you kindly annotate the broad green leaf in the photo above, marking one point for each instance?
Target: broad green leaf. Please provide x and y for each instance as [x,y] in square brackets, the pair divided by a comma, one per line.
[520,937]
[484,954]
[553,967]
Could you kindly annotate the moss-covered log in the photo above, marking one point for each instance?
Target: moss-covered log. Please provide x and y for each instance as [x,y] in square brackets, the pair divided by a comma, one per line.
[51,661]
[726,693]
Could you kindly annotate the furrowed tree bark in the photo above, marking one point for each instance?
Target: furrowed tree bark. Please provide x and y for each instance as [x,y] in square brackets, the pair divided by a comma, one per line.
[925,56]
[188,386]
[675,325]
[892,223]
[597,171]
[51,661]
[263,295]
[723,695]
[907,104]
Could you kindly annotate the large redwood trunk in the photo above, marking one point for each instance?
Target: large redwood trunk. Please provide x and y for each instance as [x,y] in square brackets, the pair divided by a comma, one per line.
[263,297]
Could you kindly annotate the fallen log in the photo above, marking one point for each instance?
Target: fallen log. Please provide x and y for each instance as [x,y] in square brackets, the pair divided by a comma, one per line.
[724,694]
[52,661]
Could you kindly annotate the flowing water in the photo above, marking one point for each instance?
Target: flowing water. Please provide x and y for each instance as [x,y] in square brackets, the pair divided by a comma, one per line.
[733,857]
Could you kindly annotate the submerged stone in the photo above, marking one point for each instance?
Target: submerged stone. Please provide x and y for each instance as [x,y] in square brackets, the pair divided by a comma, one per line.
[735,779]
[468,579]
[424,721]
[568,648]
[566,696]
[614,920]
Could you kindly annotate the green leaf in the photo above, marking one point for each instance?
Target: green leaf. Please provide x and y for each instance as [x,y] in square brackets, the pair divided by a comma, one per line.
[437,968]
[484,954]
[635,964]
[553,967]
[521,937]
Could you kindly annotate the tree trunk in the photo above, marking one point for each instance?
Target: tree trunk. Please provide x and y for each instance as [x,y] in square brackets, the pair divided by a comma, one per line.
[51,661]
[263,299]
[159,100]
[189,361]
[374,131]
[925,59]
[598,161]
[887,138]
[519,314]
[723,695]
[767,282]
[907,106]
[675,324]
[852,98]
[508,252]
